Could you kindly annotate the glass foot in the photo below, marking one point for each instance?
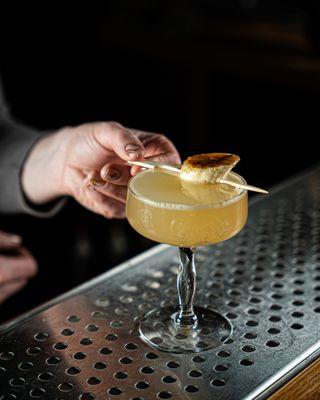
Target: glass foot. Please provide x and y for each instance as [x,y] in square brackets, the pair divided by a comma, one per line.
[159,330]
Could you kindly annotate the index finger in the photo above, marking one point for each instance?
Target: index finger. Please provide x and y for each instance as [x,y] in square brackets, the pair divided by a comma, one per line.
[117,138]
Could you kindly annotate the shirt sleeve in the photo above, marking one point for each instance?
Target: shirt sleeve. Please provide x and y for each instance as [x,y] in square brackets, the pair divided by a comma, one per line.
[16,141]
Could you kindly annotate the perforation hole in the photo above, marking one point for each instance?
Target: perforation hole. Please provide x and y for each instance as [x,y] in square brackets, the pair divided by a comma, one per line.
[233,304]
[253,311]
[297,314]
[147,370]
[67,332]
[298,303]
[131,346]
[92,328]
[252,323]
[79,356]
[201,344]
[73,318]
[66,386]
[33,350]
[9,396]
[45,376]
[125,360]
[191,389]
[255,300]
[273,331]
[275,318]
[105,351]
[18,381]
[25,365]
[111,337]
[121,375]
[231,315]
[223,354]
[37,392]
[87,396]
[99,365]
[250,335]
[86,341]
[142,385]
[53,360]
[73,371]
[98,314]
[164,395]
[221,368]
[272,343]
[6,355]
[60,346]
[296,326]
[246,362]
[115,391]
[198,359]
[93,380]
[275,307]
[248,349]
[41,336]
[151,356]
[169,379]
[116,324]
[195,374]
[218,382]
[173,364]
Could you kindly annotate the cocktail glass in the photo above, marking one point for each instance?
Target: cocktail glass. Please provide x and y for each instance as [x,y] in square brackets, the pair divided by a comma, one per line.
[157,209]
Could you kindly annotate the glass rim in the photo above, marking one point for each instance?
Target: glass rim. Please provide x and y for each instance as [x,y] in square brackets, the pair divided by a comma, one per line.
[182,207]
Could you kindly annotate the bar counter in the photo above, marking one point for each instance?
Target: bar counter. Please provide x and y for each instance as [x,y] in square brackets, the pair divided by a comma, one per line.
[266,280]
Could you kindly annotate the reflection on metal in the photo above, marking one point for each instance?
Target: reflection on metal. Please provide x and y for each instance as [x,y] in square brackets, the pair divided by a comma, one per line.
[266,280]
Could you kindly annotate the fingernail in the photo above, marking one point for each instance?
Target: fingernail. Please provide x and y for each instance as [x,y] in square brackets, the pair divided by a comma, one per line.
[16,239]
[96,182]
[112,174]
[134,151]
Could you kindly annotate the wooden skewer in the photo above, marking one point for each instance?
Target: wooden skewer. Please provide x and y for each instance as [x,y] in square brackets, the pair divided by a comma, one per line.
[176,170]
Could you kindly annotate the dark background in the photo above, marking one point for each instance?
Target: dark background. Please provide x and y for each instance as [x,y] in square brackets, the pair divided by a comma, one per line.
[237,76]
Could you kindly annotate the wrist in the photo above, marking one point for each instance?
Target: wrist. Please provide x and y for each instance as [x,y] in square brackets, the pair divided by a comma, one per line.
[43,171]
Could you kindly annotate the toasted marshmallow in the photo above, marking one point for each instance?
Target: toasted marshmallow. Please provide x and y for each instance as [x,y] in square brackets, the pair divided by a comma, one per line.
[208,168]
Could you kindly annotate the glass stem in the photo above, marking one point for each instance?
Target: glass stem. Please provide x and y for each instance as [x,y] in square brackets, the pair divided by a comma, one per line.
[186,284]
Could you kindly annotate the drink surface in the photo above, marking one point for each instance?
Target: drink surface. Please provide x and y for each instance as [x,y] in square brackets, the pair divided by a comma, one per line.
[167,209]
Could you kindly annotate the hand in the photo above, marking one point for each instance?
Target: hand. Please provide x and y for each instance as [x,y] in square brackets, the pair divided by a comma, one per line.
[16,265]
[88,162]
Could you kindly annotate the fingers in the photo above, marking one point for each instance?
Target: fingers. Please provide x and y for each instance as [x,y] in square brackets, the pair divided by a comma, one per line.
[108,189]
[9,241]
[159,148]
[117,138]
[10,288]
[107,206]
[16,267]
[116,174]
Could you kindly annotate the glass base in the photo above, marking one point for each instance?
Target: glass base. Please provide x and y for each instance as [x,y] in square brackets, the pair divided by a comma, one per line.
[159,330]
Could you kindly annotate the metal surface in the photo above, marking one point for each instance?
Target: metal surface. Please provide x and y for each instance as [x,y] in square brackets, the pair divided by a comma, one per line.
[266,280]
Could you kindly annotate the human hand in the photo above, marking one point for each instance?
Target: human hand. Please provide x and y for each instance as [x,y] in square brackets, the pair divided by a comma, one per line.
[88,162]
[16,265]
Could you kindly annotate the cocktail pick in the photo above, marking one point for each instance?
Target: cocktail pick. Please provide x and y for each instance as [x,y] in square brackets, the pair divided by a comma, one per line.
[175,169]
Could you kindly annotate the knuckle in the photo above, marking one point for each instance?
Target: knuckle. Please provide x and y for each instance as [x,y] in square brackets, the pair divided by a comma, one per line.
[114,126]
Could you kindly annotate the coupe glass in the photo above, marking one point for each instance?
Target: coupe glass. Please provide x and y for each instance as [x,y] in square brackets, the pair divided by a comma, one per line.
[153,211]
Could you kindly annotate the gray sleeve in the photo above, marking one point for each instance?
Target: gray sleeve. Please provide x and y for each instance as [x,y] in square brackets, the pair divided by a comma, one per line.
[16,140]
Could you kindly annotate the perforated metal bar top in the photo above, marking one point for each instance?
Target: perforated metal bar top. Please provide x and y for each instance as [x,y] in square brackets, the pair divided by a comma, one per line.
[266,280]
